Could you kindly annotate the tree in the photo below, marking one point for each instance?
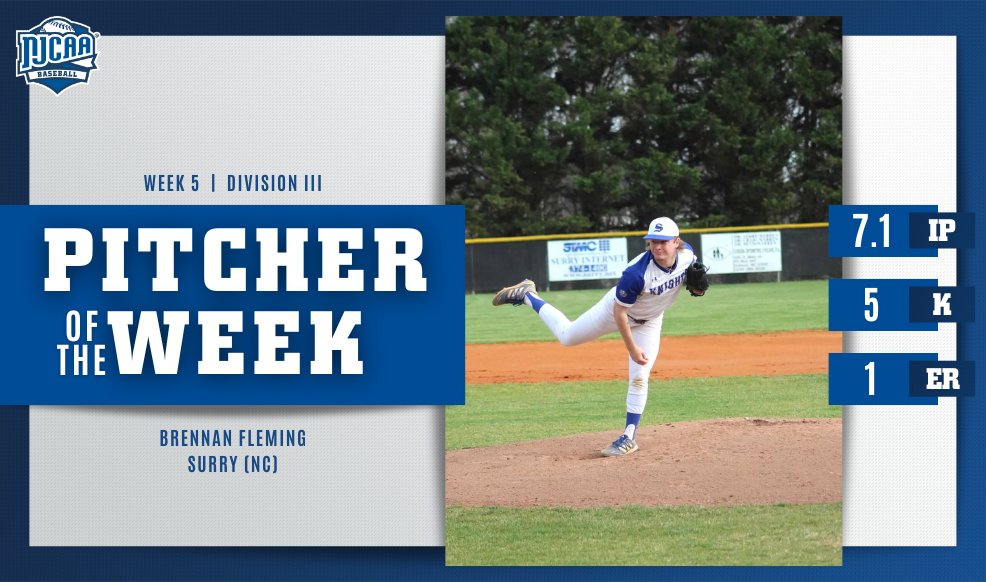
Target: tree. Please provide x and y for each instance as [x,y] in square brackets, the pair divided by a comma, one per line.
[598,123]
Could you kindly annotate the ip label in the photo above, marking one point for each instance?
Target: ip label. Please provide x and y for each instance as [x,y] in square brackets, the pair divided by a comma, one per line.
[942,230]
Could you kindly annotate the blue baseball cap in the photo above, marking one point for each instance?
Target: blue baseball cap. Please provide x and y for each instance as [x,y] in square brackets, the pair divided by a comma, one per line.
[662,228]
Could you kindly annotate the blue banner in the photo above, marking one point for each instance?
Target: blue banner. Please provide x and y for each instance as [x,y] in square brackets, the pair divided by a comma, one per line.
[945,379]
[873,379]
[233,305]
[874,305]
[935,304]
[874,231]
[943,230]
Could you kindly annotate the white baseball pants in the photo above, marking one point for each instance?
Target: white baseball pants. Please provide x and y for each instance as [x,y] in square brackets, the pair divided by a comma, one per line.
[597,322]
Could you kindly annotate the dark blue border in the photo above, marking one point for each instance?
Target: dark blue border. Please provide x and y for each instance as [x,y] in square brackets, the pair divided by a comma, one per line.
[17,561]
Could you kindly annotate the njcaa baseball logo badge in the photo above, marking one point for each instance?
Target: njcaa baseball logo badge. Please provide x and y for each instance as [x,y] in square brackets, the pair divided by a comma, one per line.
[57,53]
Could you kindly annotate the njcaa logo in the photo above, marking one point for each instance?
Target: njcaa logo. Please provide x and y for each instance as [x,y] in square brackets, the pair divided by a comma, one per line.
[57,53]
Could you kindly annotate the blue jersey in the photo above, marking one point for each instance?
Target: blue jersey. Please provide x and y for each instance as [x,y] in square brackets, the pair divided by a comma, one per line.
[648,289]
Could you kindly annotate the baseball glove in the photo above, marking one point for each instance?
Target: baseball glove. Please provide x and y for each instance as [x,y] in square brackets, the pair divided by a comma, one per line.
[696,280]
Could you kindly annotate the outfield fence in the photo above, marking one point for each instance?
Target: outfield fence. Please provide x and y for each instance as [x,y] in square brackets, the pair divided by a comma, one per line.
[492,263]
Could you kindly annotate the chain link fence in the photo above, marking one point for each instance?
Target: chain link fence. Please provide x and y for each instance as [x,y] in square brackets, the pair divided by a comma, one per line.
[491,265]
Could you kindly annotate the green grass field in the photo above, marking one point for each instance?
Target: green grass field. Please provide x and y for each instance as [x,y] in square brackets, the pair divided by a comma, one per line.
[688,535]
[505,413]
[749,308]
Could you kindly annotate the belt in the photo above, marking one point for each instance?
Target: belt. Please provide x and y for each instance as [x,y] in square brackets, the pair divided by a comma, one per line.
[637,321]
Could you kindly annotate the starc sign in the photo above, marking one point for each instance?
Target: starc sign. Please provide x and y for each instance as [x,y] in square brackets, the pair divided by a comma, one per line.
[576,260]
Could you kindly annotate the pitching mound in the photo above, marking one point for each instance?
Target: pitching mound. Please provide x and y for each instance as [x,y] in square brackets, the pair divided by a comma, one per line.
[763,354]
[708,462]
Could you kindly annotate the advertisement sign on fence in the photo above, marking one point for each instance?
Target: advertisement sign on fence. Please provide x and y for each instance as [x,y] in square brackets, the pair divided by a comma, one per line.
[742,252]
[579,260]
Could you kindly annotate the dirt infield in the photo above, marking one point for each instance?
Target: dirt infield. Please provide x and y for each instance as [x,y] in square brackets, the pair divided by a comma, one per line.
[709,462]
[769,354]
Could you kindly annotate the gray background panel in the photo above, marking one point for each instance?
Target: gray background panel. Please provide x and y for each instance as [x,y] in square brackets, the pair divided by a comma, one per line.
[899,148]
[368,113]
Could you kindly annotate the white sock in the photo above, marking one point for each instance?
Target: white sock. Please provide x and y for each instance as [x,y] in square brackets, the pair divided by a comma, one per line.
[630,431]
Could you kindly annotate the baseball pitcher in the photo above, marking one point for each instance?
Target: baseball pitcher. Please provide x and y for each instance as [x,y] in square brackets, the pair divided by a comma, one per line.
[635,307]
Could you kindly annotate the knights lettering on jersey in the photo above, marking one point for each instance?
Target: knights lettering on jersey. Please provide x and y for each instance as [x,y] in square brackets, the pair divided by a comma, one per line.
[667,285]
[648,289]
